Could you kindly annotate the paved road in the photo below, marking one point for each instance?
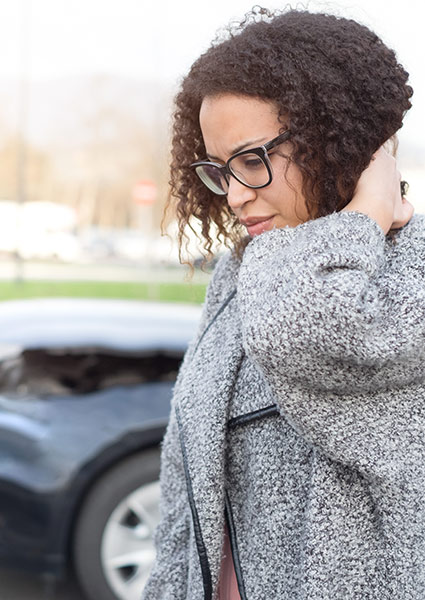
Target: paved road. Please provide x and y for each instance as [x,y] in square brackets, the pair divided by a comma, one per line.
[21,586]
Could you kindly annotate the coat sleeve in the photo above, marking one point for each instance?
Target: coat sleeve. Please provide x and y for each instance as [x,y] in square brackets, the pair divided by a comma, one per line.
[340,334]
[168,578]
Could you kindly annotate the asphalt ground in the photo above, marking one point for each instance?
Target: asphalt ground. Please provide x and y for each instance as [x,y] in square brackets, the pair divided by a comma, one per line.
[16,585]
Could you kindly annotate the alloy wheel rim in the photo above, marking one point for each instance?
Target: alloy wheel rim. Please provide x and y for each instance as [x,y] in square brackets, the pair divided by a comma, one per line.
[127,547]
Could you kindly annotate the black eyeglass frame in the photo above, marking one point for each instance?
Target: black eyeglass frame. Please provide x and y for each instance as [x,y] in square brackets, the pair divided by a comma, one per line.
[260,151]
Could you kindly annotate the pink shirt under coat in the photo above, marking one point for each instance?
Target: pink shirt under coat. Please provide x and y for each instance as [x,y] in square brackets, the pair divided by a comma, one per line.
[228,586]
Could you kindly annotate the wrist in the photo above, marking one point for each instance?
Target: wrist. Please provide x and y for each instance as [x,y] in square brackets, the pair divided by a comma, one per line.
[373,211]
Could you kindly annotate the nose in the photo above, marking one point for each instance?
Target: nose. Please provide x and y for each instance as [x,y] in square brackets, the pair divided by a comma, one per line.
[238,194]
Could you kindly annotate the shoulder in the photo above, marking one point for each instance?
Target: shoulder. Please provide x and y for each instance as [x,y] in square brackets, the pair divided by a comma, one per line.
[221,285]
[224,278]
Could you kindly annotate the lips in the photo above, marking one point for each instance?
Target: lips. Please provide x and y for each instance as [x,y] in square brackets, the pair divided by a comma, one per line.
[257,225]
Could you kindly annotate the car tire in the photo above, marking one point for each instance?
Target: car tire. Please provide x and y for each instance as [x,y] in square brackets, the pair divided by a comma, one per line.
[113,549]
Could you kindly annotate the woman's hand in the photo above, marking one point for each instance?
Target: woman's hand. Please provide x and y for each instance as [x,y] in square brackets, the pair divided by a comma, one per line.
[378,193]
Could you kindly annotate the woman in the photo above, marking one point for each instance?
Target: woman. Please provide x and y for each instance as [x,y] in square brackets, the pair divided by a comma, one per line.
[296,435]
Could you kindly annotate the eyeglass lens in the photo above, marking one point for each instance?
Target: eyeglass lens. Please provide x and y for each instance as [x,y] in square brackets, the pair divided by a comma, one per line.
[211,176]
[248,169]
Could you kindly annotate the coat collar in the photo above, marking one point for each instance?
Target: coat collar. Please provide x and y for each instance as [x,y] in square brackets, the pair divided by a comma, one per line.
[203,403]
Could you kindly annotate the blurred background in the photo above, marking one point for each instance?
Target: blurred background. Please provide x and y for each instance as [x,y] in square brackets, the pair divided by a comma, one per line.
[86,92]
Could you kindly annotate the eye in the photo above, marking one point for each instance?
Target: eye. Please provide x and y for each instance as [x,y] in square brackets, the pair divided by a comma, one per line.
[252,162]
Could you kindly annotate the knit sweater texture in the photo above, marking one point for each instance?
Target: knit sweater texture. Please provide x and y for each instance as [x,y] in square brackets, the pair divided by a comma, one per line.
[300,408]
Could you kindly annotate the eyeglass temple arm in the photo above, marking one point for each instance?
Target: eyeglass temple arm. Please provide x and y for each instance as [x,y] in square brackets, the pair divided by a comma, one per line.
[278,139]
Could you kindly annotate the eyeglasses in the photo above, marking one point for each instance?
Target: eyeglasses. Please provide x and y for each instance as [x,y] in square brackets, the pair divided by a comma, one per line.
[251,168]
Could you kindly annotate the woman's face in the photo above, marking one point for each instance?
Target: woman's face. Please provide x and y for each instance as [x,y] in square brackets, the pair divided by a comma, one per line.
[230,123]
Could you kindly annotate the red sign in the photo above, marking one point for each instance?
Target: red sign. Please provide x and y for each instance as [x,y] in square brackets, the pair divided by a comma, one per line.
[145,192]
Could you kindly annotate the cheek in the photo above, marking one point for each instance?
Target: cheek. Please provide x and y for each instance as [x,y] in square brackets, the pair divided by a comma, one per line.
[288,195]
[294,177]
[295,184]
[289,183]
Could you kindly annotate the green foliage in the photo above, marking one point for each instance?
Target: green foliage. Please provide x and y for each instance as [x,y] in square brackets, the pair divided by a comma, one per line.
[162,292]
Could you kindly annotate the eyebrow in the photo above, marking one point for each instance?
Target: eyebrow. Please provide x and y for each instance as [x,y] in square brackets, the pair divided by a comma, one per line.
[253,143]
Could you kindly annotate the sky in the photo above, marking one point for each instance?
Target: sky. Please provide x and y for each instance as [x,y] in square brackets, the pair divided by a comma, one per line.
[51,39]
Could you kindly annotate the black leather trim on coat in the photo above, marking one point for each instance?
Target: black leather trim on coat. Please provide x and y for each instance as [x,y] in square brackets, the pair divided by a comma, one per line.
[234,545]
[220,310]
[261,413]
[203,558]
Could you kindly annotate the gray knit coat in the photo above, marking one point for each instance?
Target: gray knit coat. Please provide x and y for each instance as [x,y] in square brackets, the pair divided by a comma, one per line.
[299,417]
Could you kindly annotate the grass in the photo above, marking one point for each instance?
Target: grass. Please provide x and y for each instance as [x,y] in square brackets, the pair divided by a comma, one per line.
[162,292]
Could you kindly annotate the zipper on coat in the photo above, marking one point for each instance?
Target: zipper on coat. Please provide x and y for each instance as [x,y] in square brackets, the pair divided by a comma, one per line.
[255,415]
[234,545]
[200,546]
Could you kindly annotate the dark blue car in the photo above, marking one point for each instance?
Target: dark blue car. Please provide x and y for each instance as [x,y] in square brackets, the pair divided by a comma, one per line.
[85,389]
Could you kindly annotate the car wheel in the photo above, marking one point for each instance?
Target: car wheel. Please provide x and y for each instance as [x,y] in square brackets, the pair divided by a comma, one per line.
[113,549]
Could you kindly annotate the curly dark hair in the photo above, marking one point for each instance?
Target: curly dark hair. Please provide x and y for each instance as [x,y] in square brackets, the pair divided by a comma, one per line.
[343,89]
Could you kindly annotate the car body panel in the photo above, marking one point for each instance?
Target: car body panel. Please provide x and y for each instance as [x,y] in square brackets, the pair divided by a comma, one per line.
[53,448]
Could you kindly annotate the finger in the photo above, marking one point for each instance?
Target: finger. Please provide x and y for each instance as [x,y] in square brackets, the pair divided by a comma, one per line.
[404,188]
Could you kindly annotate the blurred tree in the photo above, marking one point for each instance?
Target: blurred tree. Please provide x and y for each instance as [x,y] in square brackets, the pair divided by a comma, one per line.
[115,149]
[90,141]
[38,171]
